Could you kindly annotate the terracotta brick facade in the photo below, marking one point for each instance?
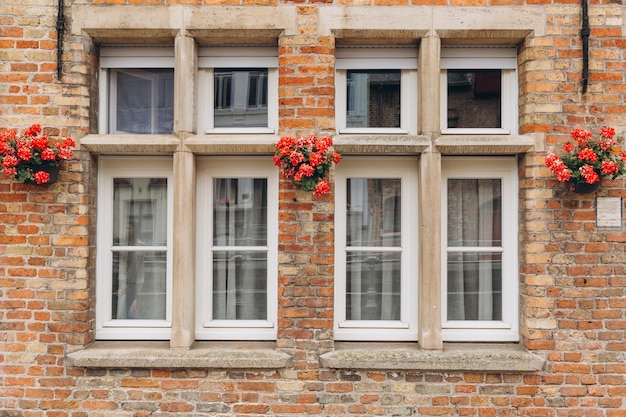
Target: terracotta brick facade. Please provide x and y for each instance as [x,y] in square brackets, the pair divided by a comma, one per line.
[572,273]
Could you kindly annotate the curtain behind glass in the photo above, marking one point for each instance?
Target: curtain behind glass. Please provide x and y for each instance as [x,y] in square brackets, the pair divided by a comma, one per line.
[139,221]
[474,277]
[239,276]
[145,101]
[373,274]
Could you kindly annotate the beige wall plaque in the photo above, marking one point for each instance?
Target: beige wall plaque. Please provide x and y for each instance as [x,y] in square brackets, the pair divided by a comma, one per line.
[609,212]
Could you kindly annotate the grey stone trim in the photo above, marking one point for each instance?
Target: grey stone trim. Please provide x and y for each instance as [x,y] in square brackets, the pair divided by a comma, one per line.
[234,144]
[380,144]
[130,144]
[483,144]
[473,357]
[216,355]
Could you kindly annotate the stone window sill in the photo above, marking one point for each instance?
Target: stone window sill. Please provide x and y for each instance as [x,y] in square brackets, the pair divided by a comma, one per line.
[222,355]
[380,144]
[484,144]
[478,357]
[130,144]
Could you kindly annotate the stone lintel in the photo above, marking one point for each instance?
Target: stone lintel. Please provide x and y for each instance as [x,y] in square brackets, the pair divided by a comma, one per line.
[215,355]
[473,357]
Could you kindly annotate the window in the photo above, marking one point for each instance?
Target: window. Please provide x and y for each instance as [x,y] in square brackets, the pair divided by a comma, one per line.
[238,90]
[136,90]
[479,90]
[376,90]
[134,248]
[237,247]
[480,249]
[376,249]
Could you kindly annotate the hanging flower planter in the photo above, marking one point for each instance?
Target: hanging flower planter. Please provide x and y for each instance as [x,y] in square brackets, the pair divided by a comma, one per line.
[30,158]
[584,188]
[588,161]
[307,161]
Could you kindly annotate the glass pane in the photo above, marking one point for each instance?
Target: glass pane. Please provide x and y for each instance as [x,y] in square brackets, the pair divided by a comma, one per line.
[140,211]
[240,98]
[139,219]
[474,286]
[139,285]
[239,285]
[474,98]
[145,101]
[374,215]
[239,211]
[373,98]
[373,286]
[474,212]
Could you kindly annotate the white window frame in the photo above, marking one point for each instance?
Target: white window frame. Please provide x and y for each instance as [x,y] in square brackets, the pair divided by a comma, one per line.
[478,58]
[233,167]
[210,58]
[405,168]
[505,169]
[128,167]
[368,58]
[124,58]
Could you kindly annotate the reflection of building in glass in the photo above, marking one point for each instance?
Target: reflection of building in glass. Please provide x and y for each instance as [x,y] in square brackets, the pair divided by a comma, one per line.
[374,249]
[474,98]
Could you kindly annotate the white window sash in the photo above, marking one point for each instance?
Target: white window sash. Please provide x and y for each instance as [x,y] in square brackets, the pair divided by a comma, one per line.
[505,169]
[408,105]
[470,58]
[106,327]
[206,105]
[404,168]
[129,57]
[208,328]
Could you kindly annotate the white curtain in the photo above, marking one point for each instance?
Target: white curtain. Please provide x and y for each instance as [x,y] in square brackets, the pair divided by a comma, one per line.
[239,275]
[139,276]
[474,272]
[373,275]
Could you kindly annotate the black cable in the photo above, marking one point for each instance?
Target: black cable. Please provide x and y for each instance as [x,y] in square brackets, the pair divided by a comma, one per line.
[584,34]
[60,27]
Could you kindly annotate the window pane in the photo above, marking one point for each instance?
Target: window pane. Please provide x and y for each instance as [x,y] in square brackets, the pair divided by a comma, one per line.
[474,286]
[373,212]
[139,276]
[373,98]
[474,212]
[145,101]
[240,98]
[239,211]
[373,286]
[474,98]
[140,211]
[239,285]
[139,285]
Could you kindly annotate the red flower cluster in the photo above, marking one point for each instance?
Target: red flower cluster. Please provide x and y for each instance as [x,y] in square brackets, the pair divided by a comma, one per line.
[589,160]
[307,161]
[26,157]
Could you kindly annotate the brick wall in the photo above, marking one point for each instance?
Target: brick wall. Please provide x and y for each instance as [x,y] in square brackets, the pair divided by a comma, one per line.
[572,273]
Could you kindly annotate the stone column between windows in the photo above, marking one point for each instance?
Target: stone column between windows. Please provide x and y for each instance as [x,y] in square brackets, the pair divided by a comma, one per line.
[429,287]
[183,267]
[186,52]
[183,252]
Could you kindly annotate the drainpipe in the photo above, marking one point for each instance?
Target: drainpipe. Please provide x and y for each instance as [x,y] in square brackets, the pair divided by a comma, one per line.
[584,34]
[60,27]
